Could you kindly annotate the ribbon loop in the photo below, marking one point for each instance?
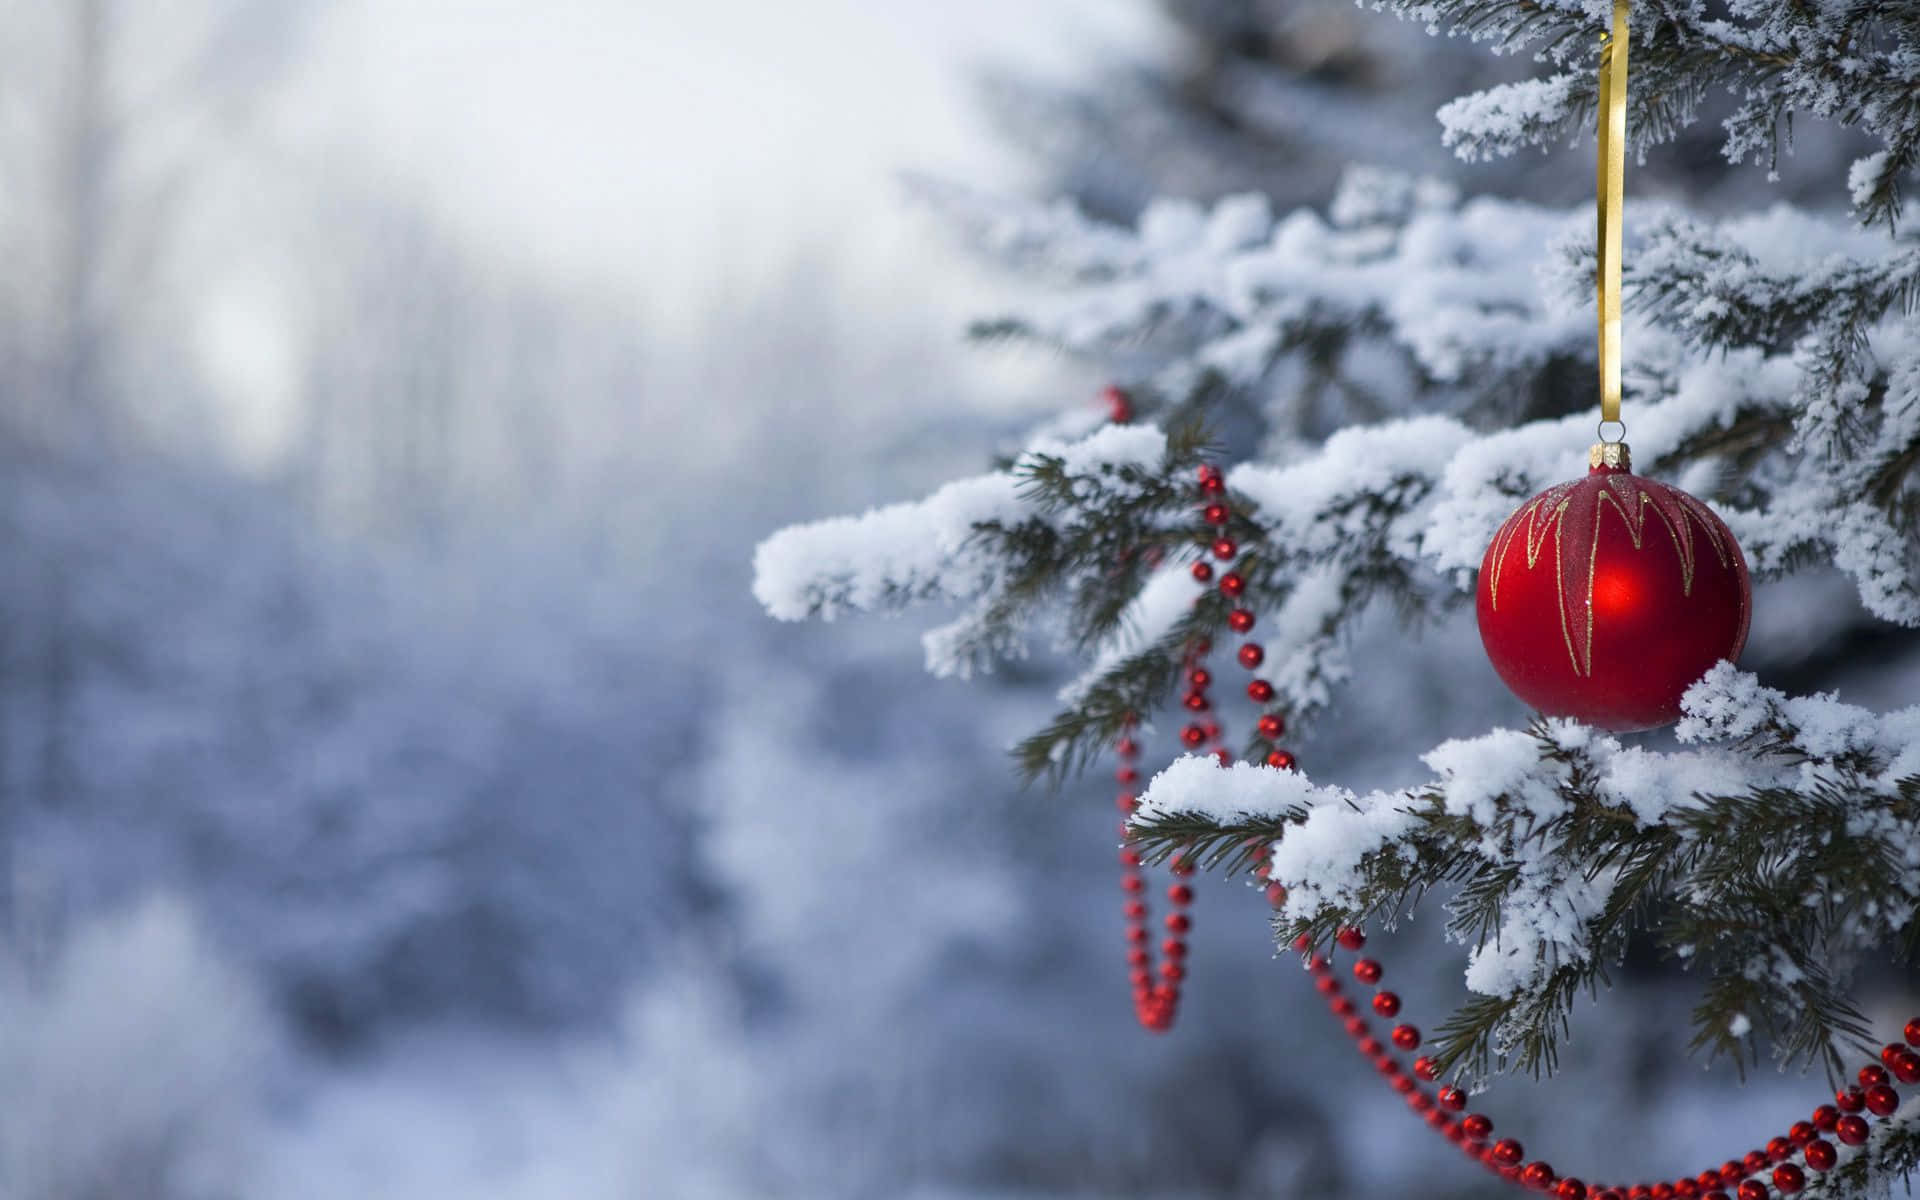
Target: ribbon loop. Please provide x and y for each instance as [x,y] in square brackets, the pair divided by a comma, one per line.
[1612,195]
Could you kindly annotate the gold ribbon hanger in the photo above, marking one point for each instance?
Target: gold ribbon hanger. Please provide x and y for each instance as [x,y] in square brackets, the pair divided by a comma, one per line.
[1612,196]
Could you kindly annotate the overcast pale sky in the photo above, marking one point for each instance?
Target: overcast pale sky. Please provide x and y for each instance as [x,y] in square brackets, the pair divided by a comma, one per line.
[653,136]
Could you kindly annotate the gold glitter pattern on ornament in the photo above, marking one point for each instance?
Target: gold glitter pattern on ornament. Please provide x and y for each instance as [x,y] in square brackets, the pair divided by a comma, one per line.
[1548,513]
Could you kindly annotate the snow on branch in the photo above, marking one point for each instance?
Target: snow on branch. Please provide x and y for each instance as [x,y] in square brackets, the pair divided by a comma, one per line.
[1550,839]
[1855,64]
[938,548]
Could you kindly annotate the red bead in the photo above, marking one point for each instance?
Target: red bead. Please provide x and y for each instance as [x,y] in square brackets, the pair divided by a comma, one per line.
[1912,1032]
[1425,1068]
[1755,1161]
[1851,1129]
[1477,1125]
[1173,948]
[1199,677]
[1203,571]
[1570,1189]
[1370,1046]
[1178,922]
[1138,957]
[1196,701]
[1906,1066]
[1406,1037]
[1223,756]
[1716,1195]
[1240,620]
[1192,736]
[1224,548]
[1180,893]
[1386,1004]
[1779,1150]
[1453,1100]
[1435,1118]
[1282,760]
[1612,618]
[1343,1007]
[1276,895]
[1132,883]
[1216,514]
[1232,583]
[1213,487]
[1251,655]
[1639,1191]
[1508,1152]
[1686,1188]
[1136,911]
[1660,1191]
[1367,970]
[1126,802]
[1137,935]
[1350,938]
[1751,1189]
[1537,1175]
[1356,1028]
[1260,691]
[1821,1155]
[1802,1132]
[1850,1099]
[1127,775]
[1871,1075]
[1882,1100]
[1206,471]
[1129,858]
[1789,1178]
[1303,943]
[1730,1173]
[1140,976]
[1210,729]
[1172,972]
[1271,726]
[1119,404]
[1610,1194]
[1708,1180]
[1825,1118]
[1182,867]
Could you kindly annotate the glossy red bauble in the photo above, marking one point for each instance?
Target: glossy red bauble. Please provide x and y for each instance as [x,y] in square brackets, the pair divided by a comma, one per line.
[1605,598]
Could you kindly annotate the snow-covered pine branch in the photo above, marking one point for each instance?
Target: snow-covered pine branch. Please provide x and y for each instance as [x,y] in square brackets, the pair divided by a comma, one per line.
[1855,64]
[1551,840]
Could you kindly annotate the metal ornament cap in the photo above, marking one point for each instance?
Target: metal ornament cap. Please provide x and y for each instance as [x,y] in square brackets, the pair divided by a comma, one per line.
[1604,598]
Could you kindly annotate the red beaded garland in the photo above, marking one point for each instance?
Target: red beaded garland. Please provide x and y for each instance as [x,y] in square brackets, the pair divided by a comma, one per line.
[1231,584]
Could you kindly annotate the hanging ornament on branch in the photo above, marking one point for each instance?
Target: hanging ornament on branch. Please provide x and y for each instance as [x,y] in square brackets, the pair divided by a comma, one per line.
[1605,598]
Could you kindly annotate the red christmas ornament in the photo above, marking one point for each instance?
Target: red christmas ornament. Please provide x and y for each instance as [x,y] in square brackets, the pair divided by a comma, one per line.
[1605,598]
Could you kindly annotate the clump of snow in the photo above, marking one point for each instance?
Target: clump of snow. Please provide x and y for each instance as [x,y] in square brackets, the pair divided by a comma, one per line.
[1865,177]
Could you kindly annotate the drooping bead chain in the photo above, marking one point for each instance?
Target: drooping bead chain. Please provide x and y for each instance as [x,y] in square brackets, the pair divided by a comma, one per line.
[1748,1175]
[1155,1000]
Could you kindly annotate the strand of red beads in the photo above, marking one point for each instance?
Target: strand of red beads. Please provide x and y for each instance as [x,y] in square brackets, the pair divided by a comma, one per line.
[1156,994]
[1756,1175]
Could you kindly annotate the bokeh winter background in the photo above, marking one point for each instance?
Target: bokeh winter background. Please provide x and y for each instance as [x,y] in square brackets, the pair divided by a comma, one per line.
[401,794]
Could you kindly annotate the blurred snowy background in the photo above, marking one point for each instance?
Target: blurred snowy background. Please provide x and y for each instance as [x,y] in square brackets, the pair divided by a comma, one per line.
[401,794]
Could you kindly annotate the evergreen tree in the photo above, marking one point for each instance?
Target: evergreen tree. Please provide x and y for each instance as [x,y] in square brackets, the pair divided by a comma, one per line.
[1394,375]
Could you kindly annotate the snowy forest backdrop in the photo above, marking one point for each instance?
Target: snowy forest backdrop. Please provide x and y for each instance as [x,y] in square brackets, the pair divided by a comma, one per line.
[401,793]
